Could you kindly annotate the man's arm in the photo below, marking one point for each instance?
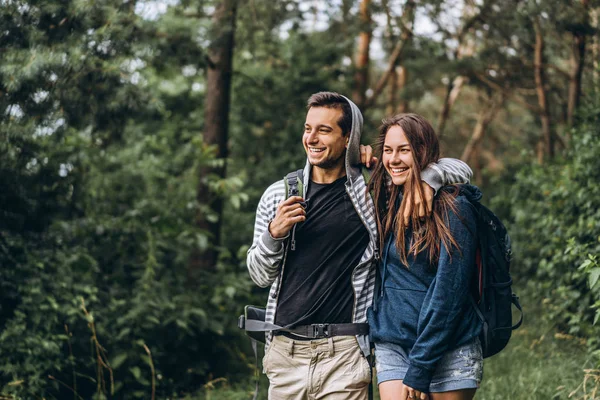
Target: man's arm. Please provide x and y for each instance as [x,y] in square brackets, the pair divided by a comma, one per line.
[446,171]
[275,216]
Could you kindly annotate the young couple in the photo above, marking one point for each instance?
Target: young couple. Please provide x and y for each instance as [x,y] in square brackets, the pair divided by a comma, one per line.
[347,232]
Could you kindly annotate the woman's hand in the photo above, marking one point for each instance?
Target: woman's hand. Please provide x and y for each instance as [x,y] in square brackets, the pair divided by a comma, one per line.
[409,393]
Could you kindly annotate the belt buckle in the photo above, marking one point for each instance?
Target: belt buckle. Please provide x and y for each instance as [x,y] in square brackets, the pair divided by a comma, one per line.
[320,331]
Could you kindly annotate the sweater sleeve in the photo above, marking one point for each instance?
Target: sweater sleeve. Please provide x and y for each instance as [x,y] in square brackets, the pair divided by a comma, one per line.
[446,299]
[265,255]
[445,172]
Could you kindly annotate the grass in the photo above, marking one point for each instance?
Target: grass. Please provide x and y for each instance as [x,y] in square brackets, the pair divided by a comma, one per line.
[538,363]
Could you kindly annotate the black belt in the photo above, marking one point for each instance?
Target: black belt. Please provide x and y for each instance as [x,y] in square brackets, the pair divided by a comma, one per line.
[320,331]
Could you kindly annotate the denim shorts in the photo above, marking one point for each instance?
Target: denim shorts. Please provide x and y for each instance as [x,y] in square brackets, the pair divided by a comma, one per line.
[460,368]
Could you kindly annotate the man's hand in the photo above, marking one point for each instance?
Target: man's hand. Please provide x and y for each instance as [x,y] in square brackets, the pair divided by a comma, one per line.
[289,212]
[409,393]
[366,156]
[425,206]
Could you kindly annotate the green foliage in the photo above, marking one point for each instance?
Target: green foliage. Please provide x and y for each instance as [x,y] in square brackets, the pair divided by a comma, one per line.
[554,211]
[101,119]
[125,252]
[99,152]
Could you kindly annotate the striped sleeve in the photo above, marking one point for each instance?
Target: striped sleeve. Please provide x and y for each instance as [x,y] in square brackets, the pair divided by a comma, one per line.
[446,171]
[265,254]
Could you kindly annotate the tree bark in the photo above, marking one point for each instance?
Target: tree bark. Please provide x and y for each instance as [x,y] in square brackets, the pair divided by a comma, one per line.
[216,121]
[540,81]
[577,64]
[361,75]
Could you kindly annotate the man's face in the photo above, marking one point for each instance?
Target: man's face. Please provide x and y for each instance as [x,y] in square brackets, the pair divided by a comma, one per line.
[323,141]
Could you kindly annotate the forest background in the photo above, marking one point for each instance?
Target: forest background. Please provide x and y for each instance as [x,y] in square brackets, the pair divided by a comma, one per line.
[136,138]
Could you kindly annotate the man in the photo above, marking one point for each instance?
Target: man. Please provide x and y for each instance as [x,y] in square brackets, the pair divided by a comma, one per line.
[323,287]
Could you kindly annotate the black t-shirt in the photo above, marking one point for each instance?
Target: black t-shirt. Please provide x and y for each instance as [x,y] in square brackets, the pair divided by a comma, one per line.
[317,277]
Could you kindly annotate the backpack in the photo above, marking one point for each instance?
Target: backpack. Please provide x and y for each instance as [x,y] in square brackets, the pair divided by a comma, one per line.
[493,297]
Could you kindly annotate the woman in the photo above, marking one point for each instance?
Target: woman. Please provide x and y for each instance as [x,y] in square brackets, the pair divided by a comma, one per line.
[422,322]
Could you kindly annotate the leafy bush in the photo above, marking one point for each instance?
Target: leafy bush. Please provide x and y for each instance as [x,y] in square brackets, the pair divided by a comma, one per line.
[555,226]
[121,250]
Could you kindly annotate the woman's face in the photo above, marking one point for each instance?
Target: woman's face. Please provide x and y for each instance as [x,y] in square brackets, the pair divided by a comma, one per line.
[397,157]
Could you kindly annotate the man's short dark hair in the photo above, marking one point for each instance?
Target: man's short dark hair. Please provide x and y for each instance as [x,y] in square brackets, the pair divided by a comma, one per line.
[337,101]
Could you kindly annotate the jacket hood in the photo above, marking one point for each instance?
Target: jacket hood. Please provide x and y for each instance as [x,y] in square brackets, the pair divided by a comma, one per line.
[353,151]
[352,162]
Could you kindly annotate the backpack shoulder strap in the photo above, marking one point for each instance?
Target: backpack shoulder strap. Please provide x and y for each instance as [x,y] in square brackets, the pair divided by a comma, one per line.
[294,183]
[366,174]
[294,186]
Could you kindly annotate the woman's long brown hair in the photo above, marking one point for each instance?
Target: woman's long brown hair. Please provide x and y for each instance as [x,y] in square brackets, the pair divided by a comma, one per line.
[432,232]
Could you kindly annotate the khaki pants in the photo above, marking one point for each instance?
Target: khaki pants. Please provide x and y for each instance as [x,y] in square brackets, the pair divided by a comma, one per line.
[328,369]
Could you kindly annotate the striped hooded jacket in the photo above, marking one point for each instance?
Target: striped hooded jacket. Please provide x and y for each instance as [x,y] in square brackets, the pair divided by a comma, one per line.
[266,256]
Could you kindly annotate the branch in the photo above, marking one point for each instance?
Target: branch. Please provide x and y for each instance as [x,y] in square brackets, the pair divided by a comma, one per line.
[406,35]
[388,15]
[383,79]
[556,68]
[493,85]
[152,370]
[471,21]
[486,116]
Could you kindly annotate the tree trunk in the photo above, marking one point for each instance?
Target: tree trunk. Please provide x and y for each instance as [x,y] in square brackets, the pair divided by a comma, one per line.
[402,79]
[466,47]
[486,116]
[408,19]
[542,96]
[392,94]
[361,76]
[577,64]
[595,48]
[216,119]
[451,95]
[476,163]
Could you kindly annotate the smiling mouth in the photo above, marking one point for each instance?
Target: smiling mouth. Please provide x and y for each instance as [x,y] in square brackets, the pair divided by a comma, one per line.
[398,171]
[314,150]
